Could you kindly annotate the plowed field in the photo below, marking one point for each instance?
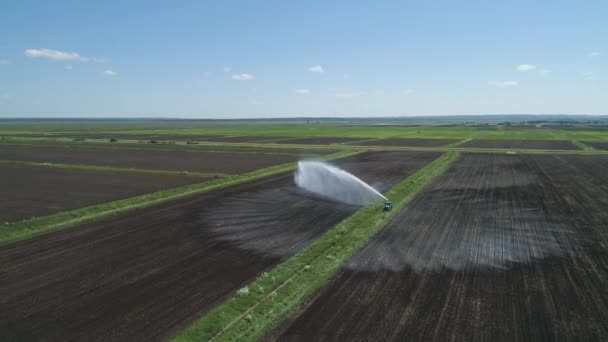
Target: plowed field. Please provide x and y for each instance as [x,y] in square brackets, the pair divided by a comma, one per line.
[500,248]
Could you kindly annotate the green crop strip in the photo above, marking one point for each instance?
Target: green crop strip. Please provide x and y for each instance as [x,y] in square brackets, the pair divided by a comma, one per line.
[113,169]
[258,307]
[22,230]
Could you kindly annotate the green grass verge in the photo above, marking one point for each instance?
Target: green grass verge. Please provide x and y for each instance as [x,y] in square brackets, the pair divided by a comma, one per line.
[113,169]
[11,232]
[258,307]
[582,146]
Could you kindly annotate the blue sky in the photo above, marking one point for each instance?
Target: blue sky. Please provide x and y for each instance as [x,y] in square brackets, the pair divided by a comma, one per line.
[227,59]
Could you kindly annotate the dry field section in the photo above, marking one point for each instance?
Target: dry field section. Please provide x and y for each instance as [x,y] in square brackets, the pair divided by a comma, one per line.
[206,162]
[522,144]
[407,142]
[149,273]
[30,191]
[598,145]
[499,248]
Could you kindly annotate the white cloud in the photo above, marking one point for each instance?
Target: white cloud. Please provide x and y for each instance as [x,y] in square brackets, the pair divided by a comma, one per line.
[408,91]
[243,77]
[227,69]
[317,69]
[256,102]
[525,67]
[350,94]
[59,55]
[594,54]
[110,73]
[545,71]
[303,91]
[504,83]
[588,75]
[3,61]
[68,67]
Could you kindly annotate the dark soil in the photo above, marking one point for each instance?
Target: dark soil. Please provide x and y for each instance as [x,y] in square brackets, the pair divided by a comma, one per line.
[598,145]
[500,248]
[319,141]
[229,163]
[251,139]
[38,191]
[522,144]
[159,137]
[408,142]
[147,274]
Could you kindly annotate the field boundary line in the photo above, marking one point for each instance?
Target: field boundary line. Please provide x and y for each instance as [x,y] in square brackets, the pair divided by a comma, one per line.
[22,230]
[259,306]
[183,146]
[100,168]
[180,146]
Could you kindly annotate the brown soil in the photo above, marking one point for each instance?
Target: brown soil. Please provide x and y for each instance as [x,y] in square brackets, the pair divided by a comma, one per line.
[229,163]
[500,248]
[38,191]
[522,144]
[147,274]
[408,142]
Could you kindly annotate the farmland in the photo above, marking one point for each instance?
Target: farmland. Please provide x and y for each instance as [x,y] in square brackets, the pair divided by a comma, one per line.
[408,142]
[30,191]
[205,162]
[500,247]
[193,231]
[184,257]
[600,145]
[522,144]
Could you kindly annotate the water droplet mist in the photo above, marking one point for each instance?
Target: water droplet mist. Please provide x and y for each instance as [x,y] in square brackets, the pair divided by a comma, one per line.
[334,183]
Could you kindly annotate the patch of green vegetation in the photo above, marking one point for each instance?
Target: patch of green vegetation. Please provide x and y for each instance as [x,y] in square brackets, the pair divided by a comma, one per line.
[258,307]
[22,230]
[113,169]
[582,146]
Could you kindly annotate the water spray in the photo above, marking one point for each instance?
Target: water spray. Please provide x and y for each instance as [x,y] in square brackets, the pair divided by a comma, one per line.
[336,184]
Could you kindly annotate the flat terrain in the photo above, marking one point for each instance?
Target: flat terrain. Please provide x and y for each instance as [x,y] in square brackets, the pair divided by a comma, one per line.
[149,273]
[38,191]
[598,145]
[94,135]
[229,163]
[147,137]
[319,141]
[240,139]
[522,144]
[408,142]
[499,248]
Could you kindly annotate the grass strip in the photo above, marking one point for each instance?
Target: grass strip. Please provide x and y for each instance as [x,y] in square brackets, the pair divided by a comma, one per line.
[582,145]
[458,143]
[258,307]
[113,169]
[11,232]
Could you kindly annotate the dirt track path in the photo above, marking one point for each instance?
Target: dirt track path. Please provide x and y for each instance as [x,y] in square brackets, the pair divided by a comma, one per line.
[146,274]
[500,248]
